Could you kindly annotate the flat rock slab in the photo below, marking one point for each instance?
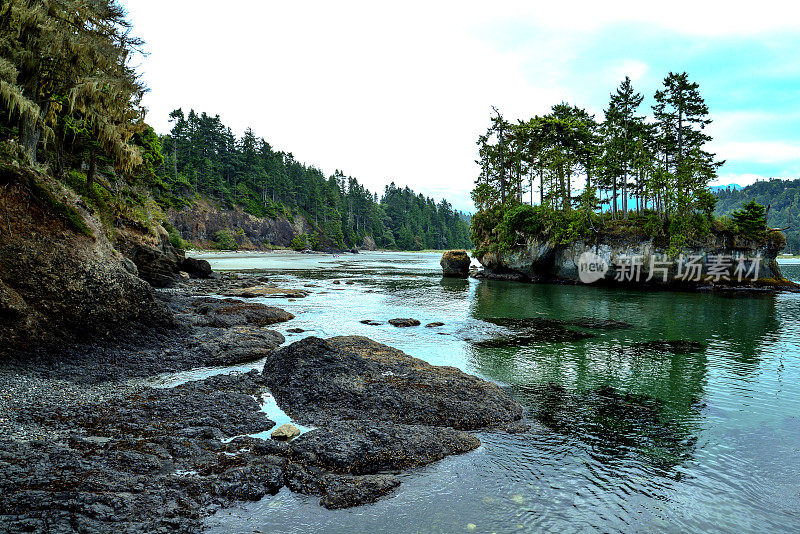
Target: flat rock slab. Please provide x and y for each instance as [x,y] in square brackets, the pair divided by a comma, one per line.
[367,447]
[267,291]
[224,313]
[404,322]
[317,381]
[240,344]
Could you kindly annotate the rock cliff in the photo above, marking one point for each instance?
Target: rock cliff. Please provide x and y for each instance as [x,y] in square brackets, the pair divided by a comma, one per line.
[200,223]
[60,277]
[721,261]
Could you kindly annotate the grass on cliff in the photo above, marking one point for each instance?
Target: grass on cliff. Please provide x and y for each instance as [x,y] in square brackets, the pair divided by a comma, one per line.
[117,204]
[65,211]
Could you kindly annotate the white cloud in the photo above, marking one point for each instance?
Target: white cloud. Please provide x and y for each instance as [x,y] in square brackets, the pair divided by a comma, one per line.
[393,91]
[771,152]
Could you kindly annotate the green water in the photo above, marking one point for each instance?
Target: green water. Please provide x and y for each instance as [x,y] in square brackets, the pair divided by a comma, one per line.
[622,439]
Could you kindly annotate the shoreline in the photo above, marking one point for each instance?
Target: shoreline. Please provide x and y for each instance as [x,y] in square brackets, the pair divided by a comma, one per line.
[90,445]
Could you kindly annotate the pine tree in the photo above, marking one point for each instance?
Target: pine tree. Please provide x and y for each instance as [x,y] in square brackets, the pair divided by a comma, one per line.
[620,129]
[682,115]
[751,219]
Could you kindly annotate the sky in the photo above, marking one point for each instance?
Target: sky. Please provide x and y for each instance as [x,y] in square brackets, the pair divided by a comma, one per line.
[400,91]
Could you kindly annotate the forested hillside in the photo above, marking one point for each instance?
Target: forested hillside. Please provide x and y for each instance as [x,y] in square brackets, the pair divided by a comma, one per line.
[783,199]
[204,159]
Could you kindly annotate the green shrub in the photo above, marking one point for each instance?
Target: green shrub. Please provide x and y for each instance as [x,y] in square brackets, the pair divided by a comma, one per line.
[299,242]
[224,240]
[726,224]
[175,238]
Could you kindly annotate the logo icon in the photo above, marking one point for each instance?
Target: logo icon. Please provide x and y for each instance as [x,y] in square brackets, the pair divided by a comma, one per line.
[591,267]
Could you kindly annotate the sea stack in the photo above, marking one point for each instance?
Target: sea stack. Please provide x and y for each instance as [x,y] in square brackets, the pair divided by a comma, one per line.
[455,263]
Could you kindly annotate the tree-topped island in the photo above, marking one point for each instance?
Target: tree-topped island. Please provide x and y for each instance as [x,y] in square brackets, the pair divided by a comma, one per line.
[631,193]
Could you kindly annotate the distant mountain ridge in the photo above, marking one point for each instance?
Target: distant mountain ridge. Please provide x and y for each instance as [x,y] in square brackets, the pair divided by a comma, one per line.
[782,197]
[724,187]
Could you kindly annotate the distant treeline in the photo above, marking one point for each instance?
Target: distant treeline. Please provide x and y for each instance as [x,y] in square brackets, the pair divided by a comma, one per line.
[203,158]
[783,199]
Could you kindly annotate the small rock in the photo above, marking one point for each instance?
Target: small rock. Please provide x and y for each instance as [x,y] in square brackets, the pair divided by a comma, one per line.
[285,432]
[404,322]
[371,322]
[184,274]
[434,324]
[296,330]
[267,292]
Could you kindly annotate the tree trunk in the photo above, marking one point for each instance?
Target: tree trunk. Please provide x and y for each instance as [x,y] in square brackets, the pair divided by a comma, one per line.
[614,199]
[30,133]
[90,174]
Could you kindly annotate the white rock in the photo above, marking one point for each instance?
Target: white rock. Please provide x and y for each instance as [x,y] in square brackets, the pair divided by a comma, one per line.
[285,432]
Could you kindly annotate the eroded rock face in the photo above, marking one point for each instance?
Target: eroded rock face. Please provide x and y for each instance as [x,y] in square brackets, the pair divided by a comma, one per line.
[317,381]
[200,223]
[542,261]
[368,243]
[455,263]
[57,284]
[157,261]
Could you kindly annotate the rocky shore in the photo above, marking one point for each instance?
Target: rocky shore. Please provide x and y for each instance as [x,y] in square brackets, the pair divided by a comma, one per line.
[90,444]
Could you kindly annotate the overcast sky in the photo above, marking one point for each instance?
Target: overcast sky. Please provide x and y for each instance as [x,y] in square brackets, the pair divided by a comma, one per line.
[400,91]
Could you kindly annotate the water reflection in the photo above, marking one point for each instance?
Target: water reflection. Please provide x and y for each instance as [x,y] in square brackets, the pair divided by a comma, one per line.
[624,392]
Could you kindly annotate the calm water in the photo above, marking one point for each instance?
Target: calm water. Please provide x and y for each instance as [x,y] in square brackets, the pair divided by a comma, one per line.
[623,440]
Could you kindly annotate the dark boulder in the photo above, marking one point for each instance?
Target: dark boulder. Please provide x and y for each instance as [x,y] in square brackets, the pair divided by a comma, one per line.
[403,323]
[455,263]
[343,461]
[158,262]
[196,268]
[316,381]
[345,491]
[367,447]
[224,313]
